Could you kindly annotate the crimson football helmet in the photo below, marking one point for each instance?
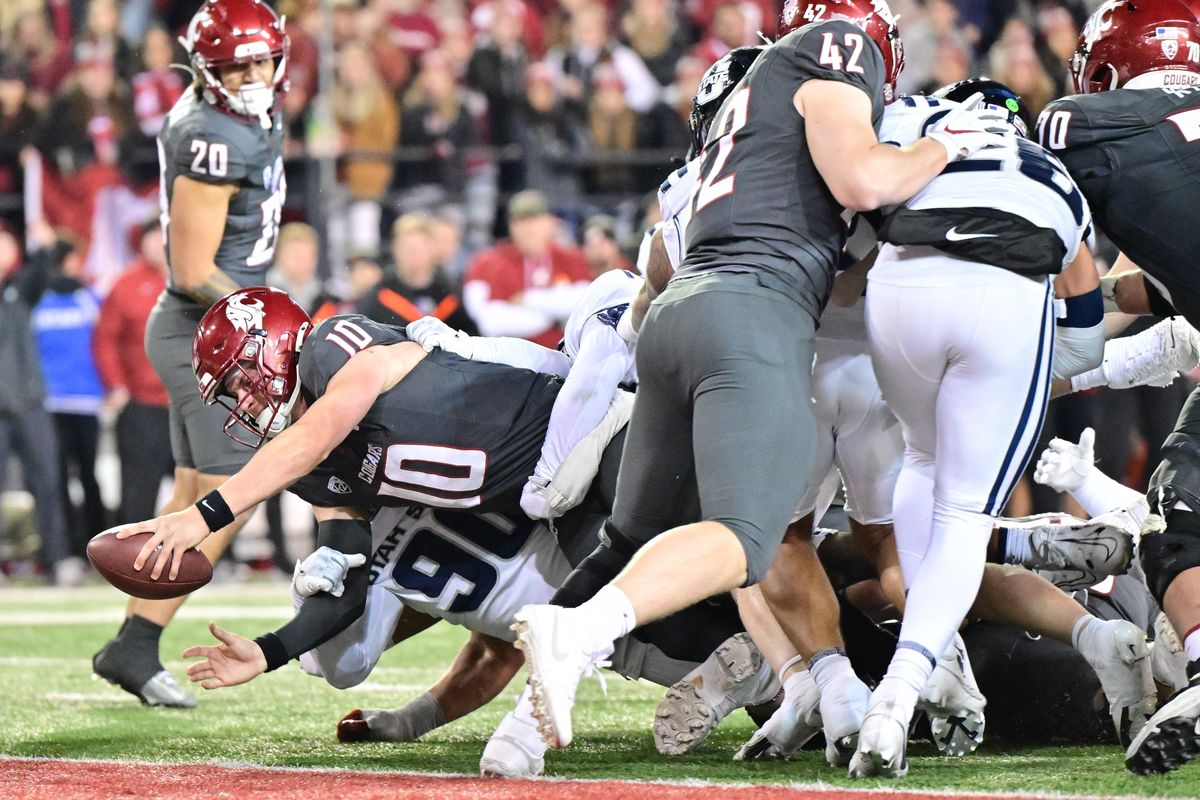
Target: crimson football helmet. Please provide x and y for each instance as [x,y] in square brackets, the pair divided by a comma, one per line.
[873,16]
[225,32]
[255,333]
[1125,39]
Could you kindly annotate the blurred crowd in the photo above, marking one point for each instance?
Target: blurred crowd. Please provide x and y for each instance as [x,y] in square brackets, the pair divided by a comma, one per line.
[491,157]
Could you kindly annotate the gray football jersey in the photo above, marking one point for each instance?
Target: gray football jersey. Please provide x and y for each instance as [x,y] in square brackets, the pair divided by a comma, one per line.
[759,204]
[451,434]
[206,144]
[1135,154]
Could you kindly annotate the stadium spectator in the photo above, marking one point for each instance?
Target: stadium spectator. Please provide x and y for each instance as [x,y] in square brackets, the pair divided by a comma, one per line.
[101,34]
[87,121]
[19,123]
[1015,63]
[527,286]
[368,118]
[135,395]
[25,426]
[446,225]
[728,29]
[297,254]
[411,28]
[588,47]
[394,65]
[553,143]
[63,321]
[617,133]
[654,33]
[415,287]
[157,86]
[600,245]
[497,71]
[439,118]
[363,274]
[46,58]
[1057,37]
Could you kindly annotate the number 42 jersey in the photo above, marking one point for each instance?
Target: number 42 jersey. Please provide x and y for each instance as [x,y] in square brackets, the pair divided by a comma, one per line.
[452,433]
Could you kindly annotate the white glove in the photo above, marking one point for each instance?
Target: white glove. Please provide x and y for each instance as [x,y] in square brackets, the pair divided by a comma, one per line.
[324,571]
[1065,466]
[540,500]
[968,129]
[431,332]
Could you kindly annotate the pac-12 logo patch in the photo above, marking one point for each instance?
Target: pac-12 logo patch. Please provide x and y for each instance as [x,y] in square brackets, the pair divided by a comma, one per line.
[338,486]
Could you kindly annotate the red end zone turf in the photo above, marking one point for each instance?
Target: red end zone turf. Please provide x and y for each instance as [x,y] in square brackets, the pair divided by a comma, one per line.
[51,779]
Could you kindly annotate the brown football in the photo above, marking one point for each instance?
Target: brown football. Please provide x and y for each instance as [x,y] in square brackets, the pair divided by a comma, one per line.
[113,558]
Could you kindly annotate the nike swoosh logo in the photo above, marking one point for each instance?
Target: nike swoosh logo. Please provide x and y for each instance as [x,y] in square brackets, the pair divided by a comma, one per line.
[953,235]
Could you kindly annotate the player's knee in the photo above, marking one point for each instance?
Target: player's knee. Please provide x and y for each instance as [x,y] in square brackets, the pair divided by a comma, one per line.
[1169,545]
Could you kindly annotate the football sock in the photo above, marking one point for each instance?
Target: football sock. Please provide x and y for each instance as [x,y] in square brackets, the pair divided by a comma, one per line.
[605,618]
[1191,643]
[1016,545]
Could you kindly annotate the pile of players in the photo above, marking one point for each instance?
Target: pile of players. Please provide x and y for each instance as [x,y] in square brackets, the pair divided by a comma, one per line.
[668,532]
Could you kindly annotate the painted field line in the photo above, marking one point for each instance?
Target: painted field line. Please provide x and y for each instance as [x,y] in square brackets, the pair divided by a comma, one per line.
[60,779]
[22,619]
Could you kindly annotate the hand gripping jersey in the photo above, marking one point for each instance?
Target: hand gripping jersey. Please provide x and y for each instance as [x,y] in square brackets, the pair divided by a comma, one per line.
[1135,154]
[451,434]
[474,570]
[760,205]
[1013,207]
[203,143]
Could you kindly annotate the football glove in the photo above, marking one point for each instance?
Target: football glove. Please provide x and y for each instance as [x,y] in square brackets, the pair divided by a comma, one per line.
[968,129]
[324,571]
[1065,466]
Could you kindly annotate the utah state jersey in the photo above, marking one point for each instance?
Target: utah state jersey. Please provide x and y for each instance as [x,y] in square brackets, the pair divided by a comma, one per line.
[451,434]
[1135,153]
[760,205]
[205,144]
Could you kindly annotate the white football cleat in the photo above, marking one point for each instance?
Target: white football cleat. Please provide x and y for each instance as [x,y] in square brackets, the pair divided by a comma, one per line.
[557,658]
[796,721]
[1168,661]
[953,702]
[515,750]
[883,740]
[1118,652]
[735,675]
[843,707]
[1102,545]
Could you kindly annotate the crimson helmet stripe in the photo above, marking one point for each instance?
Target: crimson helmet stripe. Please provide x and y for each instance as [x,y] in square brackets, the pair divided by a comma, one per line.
[1127,38]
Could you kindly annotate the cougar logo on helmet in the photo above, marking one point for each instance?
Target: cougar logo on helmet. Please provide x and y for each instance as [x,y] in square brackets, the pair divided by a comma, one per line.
[245,314]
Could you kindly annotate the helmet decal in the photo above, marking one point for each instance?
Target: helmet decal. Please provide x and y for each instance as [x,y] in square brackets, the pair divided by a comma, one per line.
[244,313]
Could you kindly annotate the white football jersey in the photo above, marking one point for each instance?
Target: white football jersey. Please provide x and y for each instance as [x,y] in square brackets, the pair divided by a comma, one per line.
[605,300]
[1022,178]
[675,205]
[472,570]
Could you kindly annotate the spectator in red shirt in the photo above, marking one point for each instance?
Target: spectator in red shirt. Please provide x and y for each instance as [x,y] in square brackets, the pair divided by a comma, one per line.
[157,86]
[135,393]
[728,29]
[47,59]
[527,286]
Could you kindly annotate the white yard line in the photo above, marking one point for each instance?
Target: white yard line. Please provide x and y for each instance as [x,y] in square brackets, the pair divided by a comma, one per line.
[11,619]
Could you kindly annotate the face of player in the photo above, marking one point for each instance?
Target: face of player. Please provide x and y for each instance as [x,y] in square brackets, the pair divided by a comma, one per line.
[239,385]
[235,76]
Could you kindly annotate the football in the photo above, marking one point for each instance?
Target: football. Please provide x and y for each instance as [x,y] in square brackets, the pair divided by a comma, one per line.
[113,558]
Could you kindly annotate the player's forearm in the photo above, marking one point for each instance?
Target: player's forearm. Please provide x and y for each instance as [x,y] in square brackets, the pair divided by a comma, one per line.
[278,464]
[520,353]
[886,174]
[582,403]
[205,285]
[482,669]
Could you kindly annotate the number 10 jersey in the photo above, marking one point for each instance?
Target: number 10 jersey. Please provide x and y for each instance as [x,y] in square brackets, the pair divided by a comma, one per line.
[453,433]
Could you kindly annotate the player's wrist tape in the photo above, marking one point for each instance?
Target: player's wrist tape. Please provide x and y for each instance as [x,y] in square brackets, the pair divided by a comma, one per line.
[273,650]
[215,511]
[421,716]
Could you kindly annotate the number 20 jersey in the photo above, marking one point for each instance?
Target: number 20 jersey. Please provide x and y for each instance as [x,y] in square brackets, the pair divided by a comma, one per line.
[452,433]
[1135,153]
[760,205]
[201,142]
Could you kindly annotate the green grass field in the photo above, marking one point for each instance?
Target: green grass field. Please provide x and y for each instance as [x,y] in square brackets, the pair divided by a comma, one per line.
[53,707]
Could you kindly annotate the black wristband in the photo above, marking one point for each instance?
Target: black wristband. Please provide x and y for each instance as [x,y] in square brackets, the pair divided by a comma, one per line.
[273,650]
[215,511]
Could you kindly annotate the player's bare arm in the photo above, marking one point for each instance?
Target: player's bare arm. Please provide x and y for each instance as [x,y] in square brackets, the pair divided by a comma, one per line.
[289,456]
[198,211]
[658,272]
[861,173]
[239,660]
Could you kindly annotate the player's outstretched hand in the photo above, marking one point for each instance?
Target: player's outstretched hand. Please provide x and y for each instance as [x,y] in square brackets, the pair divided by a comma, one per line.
[175,533]
[236,660]
[430,332]
[325,571]
[970,128]
[1065,466]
